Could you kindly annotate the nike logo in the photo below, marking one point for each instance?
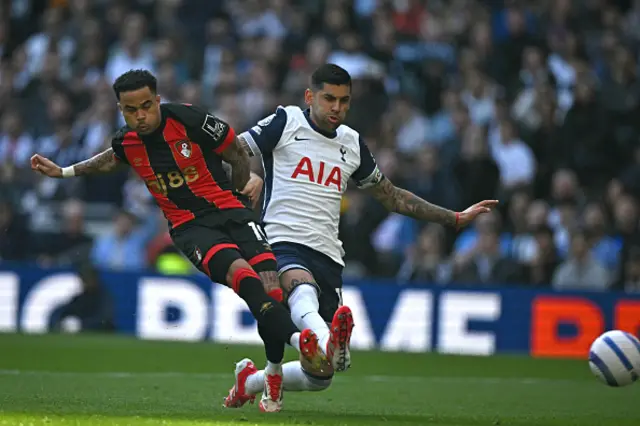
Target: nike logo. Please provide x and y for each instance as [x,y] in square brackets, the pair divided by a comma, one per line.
[300,139]
[305,315]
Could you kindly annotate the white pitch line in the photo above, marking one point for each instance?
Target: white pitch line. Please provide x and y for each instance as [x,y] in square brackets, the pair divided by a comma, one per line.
[340,377]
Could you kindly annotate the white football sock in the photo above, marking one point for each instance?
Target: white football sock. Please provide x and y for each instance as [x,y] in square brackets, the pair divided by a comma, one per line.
[272,368]
[293,379]
[295,341]
[304,305]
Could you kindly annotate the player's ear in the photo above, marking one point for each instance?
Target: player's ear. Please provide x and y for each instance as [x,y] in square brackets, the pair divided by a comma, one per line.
[157,99]
[308,97]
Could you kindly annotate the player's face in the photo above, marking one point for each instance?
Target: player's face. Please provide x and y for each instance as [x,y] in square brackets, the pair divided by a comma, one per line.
[141,110]
[329,105]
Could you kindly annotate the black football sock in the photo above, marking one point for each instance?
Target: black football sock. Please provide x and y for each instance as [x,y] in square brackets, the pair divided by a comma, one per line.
[273,349]
[272,316]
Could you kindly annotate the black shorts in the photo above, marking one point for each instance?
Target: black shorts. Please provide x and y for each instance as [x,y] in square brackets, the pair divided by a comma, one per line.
[212,247]
[326,272]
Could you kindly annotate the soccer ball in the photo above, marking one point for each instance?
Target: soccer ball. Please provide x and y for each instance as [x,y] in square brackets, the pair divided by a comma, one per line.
[614,358]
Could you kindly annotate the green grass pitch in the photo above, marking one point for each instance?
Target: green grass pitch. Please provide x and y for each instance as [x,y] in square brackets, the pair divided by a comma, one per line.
[106,380]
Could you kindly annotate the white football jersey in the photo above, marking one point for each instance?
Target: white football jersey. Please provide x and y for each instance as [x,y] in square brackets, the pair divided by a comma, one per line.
[306,173]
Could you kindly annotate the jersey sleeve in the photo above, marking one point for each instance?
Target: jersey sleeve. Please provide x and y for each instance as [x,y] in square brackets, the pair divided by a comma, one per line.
[265,135]
[205,129]
[368,174]
[118,149]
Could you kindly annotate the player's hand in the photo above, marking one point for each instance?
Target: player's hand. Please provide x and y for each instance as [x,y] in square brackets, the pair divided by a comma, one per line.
[253,189]
[467,216]
[45,166]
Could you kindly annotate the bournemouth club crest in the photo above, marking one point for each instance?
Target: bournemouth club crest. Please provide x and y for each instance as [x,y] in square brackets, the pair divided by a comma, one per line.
[198,255]
[184,148]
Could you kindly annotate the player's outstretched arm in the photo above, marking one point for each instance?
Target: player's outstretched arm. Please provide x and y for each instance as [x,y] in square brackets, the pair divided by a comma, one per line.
[103,162]
[240,163]
[408,204]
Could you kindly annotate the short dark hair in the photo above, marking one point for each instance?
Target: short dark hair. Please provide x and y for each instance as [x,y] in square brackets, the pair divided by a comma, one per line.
[330,74]
[134,80]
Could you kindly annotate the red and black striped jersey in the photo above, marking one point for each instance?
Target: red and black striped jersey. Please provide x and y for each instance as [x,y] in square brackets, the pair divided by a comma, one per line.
[181,164]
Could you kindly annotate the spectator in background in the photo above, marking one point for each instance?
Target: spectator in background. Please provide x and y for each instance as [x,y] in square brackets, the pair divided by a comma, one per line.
[486,263]
[581,271]
[468,239]
[70,244]
[51,39]
[433,180]
[524,245]
[584,133]
[625,210]
[544,138]
[475,171]
[123,249]
[14,236]
[91,310]
[16,146]
[545,260]
[426,260]
[514,158]
[631,279]
[605,249]
[441,128]
[134,51]
[478,96]
[410,126]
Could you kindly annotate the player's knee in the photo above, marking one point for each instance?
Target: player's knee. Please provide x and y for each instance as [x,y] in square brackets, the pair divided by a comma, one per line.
[266,266]
[219,261]
[305,284]
[272,285]
[238,272]
[264,262]
[302,291]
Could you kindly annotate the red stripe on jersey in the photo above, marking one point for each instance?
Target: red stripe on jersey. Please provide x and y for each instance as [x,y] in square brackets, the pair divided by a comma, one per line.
[231,136]
[205,185]
[138,157]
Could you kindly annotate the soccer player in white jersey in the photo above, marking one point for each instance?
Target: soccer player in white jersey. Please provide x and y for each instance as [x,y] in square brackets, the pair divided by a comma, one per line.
[309,156]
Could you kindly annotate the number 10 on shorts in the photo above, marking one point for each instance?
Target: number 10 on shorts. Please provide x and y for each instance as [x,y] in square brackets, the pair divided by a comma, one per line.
[258,231]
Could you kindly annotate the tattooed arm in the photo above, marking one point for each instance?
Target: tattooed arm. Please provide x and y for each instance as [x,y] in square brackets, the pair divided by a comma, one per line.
[238,158]
[103,162]
[254,160]
[404,202]
[255,156]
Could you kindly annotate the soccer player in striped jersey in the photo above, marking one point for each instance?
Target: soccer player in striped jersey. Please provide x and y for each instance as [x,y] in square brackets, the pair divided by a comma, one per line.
[178,150]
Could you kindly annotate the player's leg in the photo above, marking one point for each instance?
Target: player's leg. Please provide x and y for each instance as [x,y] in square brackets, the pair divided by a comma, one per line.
[312,286]
[302,296]
[328,275]
[253,245]
[341,319]
[295,377]
[262,260]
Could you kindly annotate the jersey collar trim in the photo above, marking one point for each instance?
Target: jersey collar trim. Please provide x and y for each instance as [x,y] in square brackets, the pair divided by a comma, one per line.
[324,133]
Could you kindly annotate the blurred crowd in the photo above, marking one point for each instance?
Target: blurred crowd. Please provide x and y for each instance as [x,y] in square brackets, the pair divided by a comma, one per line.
[535,103]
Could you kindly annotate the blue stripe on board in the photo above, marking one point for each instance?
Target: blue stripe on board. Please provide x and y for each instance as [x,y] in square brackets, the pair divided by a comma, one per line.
[622,356]
[595,359]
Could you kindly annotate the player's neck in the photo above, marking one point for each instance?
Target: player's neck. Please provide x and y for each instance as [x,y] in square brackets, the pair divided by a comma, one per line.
[331,133]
